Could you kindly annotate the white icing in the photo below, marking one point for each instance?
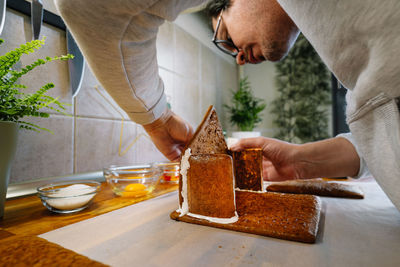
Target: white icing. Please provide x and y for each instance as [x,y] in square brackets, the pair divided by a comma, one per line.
[246,190]
[215,219]
[184,209]
[233,185]
[212,219]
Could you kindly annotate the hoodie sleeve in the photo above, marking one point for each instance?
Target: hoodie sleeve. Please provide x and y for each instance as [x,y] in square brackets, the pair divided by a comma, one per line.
[363,172]
[118,41]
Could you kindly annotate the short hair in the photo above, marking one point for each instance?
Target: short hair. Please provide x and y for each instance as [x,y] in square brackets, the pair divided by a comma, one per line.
[214,7]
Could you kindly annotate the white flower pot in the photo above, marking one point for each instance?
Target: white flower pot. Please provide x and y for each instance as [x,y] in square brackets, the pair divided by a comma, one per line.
[245,134]
[8,144]
[236,136]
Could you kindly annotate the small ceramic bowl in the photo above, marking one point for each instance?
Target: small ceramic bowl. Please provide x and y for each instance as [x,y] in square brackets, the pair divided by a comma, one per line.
[68,197]
[132,181]
[169,172]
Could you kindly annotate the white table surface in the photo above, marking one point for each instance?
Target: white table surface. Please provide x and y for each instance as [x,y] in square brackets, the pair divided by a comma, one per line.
[352,233]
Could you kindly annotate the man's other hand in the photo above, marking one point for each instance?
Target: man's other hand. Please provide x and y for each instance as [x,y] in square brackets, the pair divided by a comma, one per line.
[170,134]
[334,157]
[278,162]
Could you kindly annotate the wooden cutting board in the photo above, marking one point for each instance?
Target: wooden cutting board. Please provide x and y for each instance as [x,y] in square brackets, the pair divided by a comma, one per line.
[284,216]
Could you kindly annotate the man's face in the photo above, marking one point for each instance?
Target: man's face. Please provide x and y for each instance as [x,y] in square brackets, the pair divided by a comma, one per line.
[259,28]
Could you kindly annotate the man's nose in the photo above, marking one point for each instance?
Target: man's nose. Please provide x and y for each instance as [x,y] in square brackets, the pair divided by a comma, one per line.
[240,58]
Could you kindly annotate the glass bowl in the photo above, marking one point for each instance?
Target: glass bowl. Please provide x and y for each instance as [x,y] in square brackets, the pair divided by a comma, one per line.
[68,197]
[132,181]
[169,171]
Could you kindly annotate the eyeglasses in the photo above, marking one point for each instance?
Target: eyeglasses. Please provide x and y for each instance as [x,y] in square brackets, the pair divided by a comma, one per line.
[226,46]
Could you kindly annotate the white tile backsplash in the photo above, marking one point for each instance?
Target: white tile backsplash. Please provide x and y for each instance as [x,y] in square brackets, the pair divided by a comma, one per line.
[97,144]
[208,66]
[187,100]
[93,100]
[208,97]
[165,45]
[186,60]
[44,154]
[146,150]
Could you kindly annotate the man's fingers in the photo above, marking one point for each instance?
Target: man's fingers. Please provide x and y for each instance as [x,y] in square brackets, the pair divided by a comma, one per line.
[265,175]
[255,142]
[174,154]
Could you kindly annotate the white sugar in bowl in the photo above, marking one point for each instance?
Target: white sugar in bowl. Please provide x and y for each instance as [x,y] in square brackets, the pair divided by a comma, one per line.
[68,197]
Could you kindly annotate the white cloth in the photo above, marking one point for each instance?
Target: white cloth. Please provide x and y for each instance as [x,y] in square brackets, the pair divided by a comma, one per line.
[118,40]
[359,42]
[353,232]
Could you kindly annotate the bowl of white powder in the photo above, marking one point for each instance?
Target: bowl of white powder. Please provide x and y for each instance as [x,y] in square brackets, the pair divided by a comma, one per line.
[68,197]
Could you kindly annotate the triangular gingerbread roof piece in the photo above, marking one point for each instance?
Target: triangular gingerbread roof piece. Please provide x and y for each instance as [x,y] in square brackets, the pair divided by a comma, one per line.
[209,137]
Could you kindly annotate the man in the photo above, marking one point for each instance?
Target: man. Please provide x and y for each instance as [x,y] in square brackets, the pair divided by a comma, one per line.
[358,41]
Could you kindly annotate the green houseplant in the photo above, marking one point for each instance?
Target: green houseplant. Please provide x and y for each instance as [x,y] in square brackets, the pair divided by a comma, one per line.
[303,84]
[245,108]
[15,105]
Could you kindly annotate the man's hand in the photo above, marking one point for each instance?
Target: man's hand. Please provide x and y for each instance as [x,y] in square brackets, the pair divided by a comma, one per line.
[170,134]
[335,157]
[278,157]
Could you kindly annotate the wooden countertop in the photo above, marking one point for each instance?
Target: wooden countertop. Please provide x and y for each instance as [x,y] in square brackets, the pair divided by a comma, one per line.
[27,215]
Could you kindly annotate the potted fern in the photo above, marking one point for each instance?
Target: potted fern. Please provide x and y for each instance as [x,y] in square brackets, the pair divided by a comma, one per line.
[245,110]
[15,105]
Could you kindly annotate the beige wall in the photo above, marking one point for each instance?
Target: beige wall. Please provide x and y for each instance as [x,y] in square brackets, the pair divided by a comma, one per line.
[194,76]
[262,79]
